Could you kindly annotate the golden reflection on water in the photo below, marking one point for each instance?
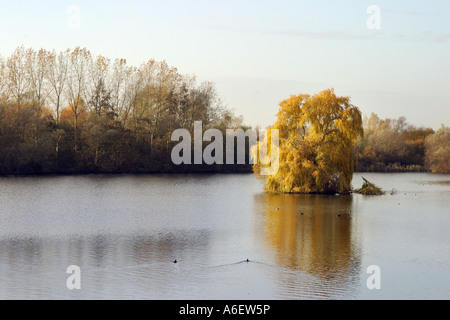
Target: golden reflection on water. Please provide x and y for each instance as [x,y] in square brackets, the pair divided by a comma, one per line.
[312,234]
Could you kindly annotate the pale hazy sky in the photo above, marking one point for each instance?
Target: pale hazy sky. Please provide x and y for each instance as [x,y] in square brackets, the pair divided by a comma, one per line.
[258,52]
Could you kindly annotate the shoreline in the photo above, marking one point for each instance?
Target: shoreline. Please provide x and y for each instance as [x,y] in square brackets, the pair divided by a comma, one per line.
[193,173]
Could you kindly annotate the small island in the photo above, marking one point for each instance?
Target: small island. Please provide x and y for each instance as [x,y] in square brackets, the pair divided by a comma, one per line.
[369,189]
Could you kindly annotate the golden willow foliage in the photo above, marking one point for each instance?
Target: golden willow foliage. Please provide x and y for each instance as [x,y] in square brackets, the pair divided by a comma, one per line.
[317,134]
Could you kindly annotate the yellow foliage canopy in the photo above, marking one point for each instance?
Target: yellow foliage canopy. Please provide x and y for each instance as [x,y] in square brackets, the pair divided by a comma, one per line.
[317,134]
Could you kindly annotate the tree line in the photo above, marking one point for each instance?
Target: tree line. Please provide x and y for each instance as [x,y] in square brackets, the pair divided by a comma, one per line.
[393,145]
[76,112]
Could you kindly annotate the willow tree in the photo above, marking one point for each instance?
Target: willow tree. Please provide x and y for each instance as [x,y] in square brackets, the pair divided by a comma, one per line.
[316,134]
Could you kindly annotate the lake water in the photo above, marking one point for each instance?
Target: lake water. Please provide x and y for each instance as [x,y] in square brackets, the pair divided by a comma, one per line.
[124,232]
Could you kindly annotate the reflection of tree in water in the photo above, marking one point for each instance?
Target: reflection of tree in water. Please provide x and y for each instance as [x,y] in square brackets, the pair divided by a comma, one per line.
[313,234]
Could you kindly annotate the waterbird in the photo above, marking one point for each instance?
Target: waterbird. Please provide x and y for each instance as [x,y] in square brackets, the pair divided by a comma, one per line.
[175,261]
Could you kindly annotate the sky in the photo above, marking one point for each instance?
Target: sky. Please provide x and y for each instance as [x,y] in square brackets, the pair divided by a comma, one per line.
[393,61]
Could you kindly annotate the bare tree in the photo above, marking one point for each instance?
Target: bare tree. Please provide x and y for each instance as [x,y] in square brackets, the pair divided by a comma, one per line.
[120,84]
[57,76]
[80,60]
[3,83]
[37,68]
[18,82]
